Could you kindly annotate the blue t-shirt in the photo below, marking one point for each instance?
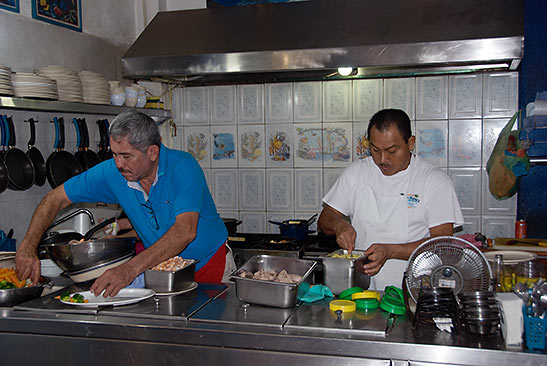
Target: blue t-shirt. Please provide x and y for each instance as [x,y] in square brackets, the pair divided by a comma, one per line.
[180,187]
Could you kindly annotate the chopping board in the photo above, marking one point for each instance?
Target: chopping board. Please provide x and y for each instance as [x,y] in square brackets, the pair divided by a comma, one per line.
[531,245]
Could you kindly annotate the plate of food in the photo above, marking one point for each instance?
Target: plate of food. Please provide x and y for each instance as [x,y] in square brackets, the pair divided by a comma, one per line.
[126,296]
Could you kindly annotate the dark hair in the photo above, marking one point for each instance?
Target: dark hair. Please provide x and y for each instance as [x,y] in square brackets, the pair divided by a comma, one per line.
[384,119]
[139,128]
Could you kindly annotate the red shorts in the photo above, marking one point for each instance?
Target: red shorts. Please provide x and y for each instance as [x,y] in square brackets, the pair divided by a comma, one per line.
[214,269]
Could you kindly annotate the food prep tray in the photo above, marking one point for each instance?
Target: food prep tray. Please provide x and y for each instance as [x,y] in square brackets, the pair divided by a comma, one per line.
[270,293]
[342,273]
[167,281]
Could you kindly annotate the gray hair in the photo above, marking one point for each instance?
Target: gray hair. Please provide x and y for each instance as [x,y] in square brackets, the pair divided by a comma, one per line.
[139,128]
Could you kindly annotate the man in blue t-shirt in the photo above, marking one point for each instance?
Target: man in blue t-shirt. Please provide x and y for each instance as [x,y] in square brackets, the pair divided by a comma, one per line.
[162,191]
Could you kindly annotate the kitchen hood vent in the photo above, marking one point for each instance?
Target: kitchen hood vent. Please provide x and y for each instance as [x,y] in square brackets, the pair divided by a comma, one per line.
[309,40]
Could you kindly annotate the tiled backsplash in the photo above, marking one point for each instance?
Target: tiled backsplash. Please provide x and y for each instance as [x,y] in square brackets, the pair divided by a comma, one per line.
[272,151]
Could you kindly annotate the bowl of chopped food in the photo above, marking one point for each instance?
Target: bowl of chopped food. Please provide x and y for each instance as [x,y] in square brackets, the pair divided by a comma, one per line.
[171,276]
[272,281]
[13,291]
[342,270]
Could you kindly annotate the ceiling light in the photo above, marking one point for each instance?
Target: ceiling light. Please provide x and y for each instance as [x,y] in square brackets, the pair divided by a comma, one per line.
[345,71]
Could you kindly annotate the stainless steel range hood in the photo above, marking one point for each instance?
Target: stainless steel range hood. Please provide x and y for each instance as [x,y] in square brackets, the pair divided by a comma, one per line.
[311,39]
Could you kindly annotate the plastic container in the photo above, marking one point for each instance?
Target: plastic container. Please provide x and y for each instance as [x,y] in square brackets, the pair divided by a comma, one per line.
[535,331]
[530,272]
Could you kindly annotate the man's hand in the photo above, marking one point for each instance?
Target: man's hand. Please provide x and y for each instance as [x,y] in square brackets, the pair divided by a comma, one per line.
[345,235]
[113,280]
[377,254]
[27,265]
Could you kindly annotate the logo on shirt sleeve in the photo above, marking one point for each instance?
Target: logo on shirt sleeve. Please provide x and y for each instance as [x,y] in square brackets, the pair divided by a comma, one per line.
[412,200]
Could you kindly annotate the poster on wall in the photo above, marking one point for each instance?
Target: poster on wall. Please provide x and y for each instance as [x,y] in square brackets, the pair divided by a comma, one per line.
[219,3]
[11,5]
[65,13]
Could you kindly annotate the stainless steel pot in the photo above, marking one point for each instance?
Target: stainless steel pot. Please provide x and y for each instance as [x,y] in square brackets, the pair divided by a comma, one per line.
[342,273]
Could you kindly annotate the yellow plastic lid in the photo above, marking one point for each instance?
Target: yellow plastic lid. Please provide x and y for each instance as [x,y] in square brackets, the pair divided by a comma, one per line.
[346,306]
[366,294]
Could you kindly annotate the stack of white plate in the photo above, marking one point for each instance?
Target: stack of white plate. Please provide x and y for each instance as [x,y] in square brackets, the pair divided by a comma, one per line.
[95,88]
[6,88]
[32,85]
[69,85]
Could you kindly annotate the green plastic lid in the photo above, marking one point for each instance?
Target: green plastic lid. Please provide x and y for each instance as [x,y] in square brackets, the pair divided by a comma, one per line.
[367,304]
[392,305]
[346,294]
[394,292]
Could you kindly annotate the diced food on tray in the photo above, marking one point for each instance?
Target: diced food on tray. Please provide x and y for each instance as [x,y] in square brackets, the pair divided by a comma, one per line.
[9,279]
[283,276]
[345,255]
[172,264]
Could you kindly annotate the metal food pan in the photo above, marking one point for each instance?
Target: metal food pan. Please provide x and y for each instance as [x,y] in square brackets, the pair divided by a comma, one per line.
[166,281]
[342,273]
[270,293]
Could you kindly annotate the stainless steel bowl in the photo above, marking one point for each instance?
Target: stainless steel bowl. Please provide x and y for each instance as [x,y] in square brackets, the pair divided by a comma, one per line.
[14,296]
[81,256]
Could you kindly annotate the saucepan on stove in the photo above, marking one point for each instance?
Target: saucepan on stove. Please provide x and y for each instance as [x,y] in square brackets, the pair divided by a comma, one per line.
[295,228]
[231,225]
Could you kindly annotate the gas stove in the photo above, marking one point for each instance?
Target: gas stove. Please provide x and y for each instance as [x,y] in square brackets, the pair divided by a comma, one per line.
[246,245]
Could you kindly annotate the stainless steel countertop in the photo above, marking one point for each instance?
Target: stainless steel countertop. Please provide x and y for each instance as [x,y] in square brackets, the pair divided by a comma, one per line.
[221,325]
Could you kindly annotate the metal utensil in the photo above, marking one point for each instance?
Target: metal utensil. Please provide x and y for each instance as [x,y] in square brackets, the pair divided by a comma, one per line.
[390,323]
[521,291]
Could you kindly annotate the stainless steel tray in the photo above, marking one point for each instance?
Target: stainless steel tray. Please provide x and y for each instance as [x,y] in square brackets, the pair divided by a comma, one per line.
[270,293]
[342,273]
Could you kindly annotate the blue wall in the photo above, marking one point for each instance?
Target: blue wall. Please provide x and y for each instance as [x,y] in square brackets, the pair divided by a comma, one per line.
[532,199]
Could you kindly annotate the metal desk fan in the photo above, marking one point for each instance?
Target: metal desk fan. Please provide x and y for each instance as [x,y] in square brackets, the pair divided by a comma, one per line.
[449,262]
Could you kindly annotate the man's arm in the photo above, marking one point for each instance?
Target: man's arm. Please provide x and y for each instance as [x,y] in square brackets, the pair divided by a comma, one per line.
[333,222]
[169,245]
[378,254]
[26,258]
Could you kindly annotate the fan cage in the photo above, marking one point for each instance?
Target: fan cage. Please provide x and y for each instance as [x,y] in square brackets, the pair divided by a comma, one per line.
[458,256]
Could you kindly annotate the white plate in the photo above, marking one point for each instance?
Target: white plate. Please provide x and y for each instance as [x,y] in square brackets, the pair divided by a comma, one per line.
[192,287]
[124,297]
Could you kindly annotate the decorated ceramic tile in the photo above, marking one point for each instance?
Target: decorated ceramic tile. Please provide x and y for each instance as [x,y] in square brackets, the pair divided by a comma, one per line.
[223,104]
[467,184]
[251,145]
[307,101]
[252,222]
[225,189]
[280,190]
[308,189]
[197,143]
[308,145]
[500,95]
[250,103]
[278,103]
[491,129]
[252,189]
[432,97]
[337,144]
[464,142]
[400,94]
[330,175]
[224,147]
[361,145]
[465,96]
[279,150]
[432,141]
[276,217]
[337,100]
[196,105]
[367,98]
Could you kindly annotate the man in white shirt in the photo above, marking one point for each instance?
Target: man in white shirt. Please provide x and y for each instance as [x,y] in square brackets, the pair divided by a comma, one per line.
[394,200]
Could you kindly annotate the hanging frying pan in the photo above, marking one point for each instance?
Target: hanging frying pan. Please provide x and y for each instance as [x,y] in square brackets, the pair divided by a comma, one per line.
[79,144]
[108,153]
[3,169]
[89,157]
[20,168]
[36,157]
[102,143]
[61,165]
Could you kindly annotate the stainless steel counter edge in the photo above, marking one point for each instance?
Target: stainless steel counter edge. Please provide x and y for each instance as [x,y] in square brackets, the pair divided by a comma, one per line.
[206,339]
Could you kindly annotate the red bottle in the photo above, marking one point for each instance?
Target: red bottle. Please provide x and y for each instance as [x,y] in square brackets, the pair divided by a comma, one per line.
[520,229]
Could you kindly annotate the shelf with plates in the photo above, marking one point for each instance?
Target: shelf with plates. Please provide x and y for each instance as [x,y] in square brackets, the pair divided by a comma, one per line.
[159,115]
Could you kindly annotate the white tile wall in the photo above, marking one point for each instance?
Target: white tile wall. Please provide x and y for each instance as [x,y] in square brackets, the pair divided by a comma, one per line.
[453,131]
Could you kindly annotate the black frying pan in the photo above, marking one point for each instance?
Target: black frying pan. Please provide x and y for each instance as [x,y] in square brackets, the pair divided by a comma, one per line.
[36,157]
[4,179]
[79,143]
[89,157]
[20,168]
[108,153]
[102,143]
[61,165]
